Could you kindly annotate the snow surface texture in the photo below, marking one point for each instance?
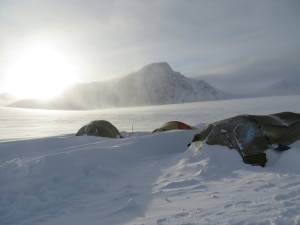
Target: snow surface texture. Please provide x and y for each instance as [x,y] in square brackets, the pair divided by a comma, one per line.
[145,178]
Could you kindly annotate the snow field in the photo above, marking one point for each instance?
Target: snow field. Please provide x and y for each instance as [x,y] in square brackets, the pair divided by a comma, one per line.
[56,181]
[151,179]
[145,178]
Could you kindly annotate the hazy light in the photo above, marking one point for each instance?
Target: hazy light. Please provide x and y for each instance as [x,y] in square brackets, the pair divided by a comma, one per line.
[40,70]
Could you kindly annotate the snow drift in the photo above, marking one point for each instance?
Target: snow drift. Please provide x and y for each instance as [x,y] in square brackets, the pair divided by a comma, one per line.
[145,178]
[153,179]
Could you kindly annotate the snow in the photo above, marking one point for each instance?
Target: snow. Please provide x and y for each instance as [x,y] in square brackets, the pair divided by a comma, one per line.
[157,84]
[49,176]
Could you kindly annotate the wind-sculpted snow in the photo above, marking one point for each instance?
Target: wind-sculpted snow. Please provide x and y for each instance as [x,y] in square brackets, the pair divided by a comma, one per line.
[110,176]
[144,178]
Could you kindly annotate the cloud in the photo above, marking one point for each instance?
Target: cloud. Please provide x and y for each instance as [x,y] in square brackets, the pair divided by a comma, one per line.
[253,75]
[222,38]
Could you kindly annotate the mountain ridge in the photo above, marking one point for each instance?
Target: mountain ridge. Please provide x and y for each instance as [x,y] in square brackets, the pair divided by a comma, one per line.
[153,84]
[157,83]
[286,86]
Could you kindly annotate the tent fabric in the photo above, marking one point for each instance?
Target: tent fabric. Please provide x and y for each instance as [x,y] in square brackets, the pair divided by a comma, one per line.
[174,125]
[251,135]
[101,128]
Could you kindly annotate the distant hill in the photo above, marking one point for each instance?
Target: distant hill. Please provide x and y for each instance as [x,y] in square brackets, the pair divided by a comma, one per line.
[6,99]
[287,86]
[154,84]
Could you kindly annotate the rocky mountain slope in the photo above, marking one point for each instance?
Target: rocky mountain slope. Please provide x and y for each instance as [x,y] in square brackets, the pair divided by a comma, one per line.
[157,84]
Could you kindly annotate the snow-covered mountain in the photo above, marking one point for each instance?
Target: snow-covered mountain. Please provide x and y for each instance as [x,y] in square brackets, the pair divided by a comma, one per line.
[154,84]
[288,86]
[157,84]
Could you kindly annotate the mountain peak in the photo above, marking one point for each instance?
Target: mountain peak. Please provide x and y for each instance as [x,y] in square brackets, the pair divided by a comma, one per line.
[157,84]
[157,68]
[154,84]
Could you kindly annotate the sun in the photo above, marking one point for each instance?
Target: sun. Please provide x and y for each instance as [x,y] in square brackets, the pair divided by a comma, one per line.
[41,70]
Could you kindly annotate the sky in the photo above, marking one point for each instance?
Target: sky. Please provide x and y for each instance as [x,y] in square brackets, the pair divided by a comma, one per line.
[234,44]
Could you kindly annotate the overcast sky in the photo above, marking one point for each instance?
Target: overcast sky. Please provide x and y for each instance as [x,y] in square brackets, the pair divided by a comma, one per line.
[248,40]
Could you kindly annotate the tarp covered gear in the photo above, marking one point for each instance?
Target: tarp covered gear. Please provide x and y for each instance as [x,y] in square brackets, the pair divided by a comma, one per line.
[251,135]
[100,128]
[174,125]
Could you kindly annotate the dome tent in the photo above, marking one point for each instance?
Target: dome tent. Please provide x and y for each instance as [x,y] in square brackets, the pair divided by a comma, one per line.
[252,135]
[174,125]
[101,128]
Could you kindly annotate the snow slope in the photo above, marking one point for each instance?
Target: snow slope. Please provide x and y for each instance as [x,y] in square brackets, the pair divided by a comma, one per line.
[145,178]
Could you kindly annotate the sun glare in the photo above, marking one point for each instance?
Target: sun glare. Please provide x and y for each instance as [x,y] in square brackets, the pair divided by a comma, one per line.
[40,70]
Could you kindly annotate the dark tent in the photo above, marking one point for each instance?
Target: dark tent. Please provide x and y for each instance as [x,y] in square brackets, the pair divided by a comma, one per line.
[174,125]
[251,135]
[101,128]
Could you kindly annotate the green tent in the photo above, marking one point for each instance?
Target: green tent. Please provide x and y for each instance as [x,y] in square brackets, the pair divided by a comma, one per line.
[252,135]
[101,128]
[174,125]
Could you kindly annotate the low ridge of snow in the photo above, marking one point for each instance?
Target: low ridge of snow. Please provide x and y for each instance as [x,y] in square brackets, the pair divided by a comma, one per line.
[144,178]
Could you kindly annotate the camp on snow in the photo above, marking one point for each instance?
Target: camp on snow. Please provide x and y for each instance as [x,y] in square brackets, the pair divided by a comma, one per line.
[252,135]
[101,128]
[249,135]
[174,125]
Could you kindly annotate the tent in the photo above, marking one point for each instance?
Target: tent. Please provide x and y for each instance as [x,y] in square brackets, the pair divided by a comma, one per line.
[174,125]
[101,128]
[252,135]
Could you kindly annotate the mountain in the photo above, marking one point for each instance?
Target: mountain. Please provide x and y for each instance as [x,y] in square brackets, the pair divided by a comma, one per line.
[287,86]
[6,99]
[154,84]
[157,84]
